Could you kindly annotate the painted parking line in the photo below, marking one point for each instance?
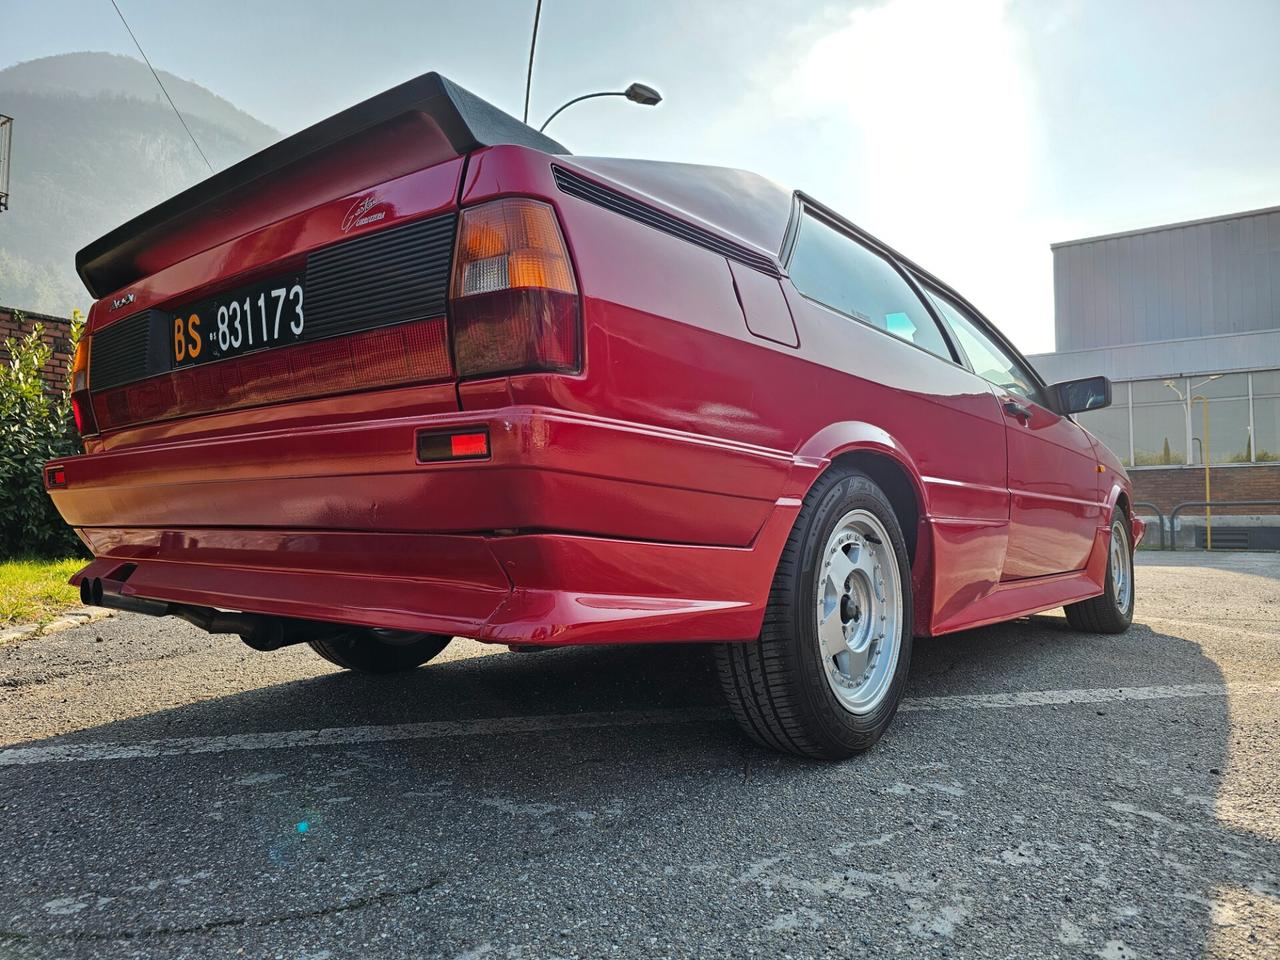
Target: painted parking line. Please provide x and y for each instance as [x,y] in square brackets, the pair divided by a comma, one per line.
[1042,698]
[506,726]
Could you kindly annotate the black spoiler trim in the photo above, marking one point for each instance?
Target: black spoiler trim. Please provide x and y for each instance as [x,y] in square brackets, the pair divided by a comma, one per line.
[468,121]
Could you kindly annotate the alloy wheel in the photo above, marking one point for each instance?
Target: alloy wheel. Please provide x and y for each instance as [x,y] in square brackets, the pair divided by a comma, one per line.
[859,611]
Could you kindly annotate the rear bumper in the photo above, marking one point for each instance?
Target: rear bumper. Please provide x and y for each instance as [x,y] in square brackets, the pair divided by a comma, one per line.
[578,529]
[547,589]
[549,470]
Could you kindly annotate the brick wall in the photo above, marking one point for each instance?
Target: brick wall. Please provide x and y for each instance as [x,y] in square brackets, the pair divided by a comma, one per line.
[1167,488]
[57,333]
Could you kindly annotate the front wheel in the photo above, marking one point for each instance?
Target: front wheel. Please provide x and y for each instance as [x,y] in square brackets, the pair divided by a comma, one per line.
[1112,612]
[824,677]
[378,651]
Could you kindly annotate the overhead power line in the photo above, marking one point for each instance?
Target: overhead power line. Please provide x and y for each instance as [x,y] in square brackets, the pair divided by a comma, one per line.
[533,45]
[162,89]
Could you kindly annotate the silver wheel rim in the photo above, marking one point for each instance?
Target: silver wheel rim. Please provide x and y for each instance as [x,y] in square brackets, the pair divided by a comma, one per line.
[1121,577]
[859,611]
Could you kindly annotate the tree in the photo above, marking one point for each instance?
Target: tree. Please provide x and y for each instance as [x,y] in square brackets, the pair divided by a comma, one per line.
[35,426]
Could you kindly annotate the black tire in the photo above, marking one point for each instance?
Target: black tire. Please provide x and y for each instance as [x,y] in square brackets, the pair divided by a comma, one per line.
[1105,613]
[777,685]
[378,651]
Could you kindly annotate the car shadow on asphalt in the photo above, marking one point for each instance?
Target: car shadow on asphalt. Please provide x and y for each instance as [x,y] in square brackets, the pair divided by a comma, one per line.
[1151,792]
[510,786]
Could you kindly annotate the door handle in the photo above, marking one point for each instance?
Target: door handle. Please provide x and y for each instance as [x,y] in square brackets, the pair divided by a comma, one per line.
[1013,408]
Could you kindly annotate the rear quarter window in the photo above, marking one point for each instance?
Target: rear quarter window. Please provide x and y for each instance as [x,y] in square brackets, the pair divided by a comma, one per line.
[839,272]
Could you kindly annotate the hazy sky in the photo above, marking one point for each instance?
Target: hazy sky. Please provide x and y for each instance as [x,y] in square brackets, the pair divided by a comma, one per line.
[969,134]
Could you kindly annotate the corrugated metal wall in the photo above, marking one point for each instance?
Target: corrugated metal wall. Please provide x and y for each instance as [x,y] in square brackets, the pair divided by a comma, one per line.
[1199,279]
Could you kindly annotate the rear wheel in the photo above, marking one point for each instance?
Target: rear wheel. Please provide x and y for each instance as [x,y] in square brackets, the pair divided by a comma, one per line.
[1112,612]
[378,651]
[825,676]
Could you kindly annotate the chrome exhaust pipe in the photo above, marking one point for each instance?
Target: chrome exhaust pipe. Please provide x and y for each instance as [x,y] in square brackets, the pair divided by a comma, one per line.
[257,630]
[94,594]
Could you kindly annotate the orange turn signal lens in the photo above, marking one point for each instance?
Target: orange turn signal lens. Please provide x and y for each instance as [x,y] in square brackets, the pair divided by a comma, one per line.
[511,244]
[80,366]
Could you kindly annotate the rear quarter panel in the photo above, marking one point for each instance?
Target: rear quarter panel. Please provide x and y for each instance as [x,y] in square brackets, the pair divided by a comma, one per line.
[667,344]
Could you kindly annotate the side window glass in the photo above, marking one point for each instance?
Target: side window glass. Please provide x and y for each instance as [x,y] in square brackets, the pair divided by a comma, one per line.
[988,358]
[841,273]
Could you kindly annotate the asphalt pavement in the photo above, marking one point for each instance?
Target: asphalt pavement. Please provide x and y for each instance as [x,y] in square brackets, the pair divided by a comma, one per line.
[1042,793]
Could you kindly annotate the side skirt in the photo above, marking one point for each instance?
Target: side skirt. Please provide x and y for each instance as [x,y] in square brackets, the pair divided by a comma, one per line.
[1020,598]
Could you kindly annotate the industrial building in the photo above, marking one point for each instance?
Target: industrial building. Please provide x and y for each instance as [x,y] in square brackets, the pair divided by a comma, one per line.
[1185,320]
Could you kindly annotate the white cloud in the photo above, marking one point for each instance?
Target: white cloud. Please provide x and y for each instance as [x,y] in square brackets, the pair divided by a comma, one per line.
[931,104]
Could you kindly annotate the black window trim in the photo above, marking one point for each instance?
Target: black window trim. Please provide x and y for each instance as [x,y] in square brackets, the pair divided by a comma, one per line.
[805,204]
[918,277]
[988,328]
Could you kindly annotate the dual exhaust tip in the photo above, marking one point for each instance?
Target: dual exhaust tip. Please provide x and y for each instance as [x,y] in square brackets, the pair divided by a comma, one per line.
[257,630]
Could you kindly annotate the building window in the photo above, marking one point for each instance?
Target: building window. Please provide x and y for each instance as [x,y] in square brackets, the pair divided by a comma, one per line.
[1111,424]
[1266,416]
[1159,422]
[1222,401]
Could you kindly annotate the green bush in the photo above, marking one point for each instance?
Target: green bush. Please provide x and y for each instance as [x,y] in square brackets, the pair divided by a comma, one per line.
[34,427]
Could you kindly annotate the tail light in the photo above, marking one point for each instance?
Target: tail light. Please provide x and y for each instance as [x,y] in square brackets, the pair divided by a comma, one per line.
[513,301]
[81,408]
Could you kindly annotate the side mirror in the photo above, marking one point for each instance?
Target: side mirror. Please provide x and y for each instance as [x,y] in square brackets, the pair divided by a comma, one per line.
[1077,396]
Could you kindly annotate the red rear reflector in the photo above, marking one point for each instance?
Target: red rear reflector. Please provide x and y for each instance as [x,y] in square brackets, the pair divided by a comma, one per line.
[415,352]
[56,477]
[471,443]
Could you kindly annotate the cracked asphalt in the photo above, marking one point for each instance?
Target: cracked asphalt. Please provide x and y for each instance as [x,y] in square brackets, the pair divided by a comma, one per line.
[1044,794]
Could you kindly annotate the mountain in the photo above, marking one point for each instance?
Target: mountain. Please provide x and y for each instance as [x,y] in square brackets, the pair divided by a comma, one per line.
[95,143]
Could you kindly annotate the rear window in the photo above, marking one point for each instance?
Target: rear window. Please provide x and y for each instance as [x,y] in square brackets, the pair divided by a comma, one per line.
[839,272]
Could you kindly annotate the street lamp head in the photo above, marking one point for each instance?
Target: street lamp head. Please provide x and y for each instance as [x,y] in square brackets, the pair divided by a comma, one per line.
[636,93]
[639,93]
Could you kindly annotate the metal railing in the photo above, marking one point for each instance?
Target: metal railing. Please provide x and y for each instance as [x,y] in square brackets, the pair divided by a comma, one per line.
[1173,514]
[1152,508]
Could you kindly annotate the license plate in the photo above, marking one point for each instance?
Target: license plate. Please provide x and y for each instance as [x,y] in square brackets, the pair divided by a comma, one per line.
[258,317]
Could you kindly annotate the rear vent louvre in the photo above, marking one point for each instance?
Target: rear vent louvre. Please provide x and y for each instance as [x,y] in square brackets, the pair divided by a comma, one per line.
[387,277]
[125,352]
[584,189]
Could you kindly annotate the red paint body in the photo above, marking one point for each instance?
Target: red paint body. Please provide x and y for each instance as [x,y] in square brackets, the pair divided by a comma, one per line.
[645,498]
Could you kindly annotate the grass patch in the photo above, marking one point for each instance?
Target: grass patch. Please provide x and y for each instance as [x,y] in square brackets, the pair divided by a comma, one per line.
[36,590]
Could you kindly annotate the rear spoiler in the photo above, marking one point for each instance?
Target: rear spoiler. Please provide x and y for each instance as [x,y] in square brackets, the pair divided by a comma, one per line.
[457,118]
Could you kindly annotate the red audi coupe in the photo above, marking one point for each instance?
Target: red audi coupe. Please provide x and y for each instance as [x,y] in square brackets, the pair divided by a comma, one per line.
[417,372]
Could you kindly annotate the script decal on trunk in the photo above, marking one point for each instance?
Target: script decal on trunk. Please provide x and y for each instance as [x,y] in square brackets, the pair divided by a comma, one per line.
[362,212]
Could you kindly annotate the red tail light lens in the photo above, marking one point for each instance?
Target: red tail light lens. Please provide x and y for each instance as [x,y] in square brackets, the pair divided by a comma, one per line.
[513,300]
[81,408]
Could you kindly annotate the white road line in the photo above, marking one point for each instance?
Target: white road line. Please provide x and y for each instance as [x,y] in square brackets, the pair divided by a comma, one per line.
[1041,698]
[337,736]
[331,736]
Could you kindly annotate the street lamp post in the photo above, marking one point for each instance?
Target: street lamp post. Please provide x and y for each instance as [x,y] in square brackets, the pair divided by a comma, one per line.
[1204,457]
[1204,448]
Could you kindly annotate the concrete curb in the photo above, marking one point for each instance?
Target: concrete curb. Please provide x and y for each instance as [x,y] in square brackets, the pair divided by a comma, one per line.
[72,618]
